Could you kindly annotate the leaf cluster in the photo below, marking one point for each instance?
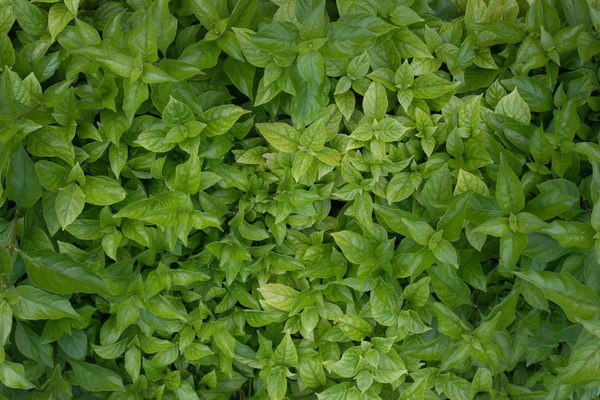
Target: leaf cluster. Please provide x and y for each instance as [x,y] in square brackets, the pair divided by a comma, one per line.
[253,199]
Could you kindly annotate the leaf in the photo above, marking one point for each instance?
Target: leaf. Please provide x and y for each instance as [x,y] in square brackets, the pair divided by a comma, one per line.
[95,378]
[445,252]
[576,299]
[467,182]
[399,188]
[102,191]
[375,103]
[12,375]
[165,25]
[69,204]
[583,366]
[278,38]
[448,322]
[513,106]
[451,290]
[143,40]
[187,175]
[402,15]
[355,247]
[438,188]
[419,231]
[58,273]
[121,65]
[225,342]
[31,19]
[508,190]
[279,296]
[35,304]
[431,86]
[570,234]
[311,67]
[58,17]
[537,96]
[452,221]
[219,120]
[281,136]
[354,327]
[453,386]
[31,346]
[277,383]
[6,321]
[285,353]
[22,182]
[118,158]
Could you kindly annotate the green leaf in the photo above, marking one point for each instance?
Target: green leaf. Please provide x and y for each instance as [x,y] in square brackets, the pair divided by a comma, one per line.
[69,204]
[400,187]
[375,103]
[402,15]
[437,189]
[59,273]
[576,299]
[285,353]
[570,234]
[59,16]
[220,119]
[278,38]
[537,95]
[35,304]
[448,322]
[279,296]
[451,290]
[419,231]
[12,375]
[311,371]
[95,378]
[225,342]
[165,25]
[583,365]
[187,175]
[102,191]
[6,322]
[513,106]
[30,18]
[509,192]
[452,221]
[121,65]
[311,67]
[279,135]
[445,252]
[143,40]
[22,182]
[74,345]
[355,247]
[431,86]
[466,182]
[277,383]
[354,327]
[453,386]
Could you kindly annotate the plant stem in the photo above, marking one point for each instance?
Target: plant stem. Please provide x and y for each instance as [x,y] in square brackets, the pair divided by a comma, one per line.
[476,308]
[29,111]
[13,240]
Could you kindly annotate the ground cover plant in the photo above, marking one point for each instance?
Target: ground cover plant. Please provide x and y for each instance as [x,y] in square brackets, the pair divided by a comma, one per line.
[302,199]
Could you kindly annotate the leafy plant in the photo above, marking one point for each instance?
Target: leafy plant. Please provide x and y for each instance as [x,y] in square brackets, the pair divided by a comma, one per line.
[374,199]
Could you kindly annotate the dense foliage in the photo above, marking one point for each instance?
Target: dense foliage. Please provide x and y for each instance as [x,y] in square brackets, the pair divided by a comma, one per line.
[351,199]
